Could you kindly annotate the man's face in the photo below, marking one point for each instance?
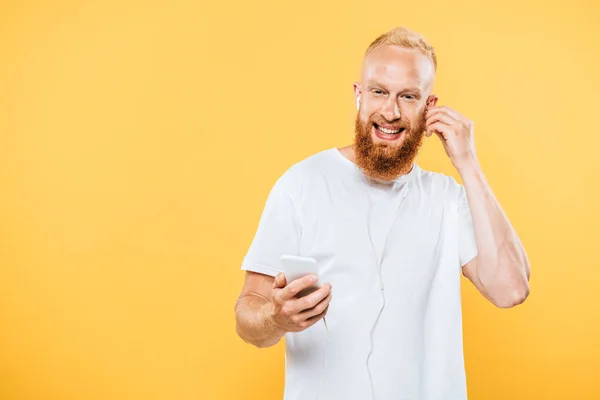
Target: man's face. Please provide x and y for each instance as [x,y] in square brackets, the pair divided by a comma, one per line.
[390,122]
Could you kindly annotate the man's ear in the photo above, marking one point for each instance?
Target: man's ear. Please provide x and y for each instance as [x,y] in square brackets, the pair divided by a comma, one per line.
[431,101]
[357,92]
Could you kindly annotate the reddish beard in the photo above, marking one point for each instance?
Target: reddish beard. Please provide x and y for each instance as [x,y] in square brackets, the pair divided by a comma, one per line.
[387,161]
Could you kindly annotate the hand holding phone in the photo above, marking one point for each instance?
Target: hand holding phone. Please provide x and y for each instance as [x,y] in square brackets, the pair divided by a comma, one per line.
[298,303]
[296,267]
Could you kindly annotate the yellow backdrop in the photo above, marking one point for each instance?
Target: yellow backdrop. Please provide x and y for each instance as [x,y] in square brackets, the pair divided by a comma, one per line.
[139,140]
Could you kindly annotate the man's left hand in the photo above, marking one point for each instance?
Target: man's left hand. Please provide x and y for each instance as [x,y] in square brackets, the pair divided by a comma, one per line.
[455,131]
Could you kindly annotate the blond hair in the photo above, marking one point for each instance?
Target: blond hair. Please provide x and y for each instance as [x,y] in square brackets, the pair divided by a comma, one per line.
[407,38]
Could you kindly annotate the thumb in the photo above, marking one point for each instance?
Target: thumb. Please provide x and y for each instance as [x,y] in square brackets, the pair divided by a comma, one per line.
[429,131]
[444,142]
[279,281]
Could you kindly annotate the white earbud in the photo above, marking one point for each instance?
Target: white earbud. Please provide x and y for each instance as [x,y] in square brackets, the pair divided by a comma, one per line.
[358,102]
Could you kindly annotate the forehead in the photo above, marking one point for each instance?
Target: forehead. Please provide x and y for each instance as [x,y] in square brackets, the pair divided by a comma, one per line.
[397,68]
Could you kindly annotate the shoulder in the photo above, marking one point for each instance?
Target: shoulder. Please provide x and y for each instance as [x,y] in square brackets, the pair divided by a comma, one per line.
[302,172]
[440,184]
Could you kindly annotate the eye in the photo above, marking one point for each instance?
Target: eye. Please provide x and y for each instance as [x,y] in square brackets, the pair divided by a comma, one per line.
[409,96]
[377,91]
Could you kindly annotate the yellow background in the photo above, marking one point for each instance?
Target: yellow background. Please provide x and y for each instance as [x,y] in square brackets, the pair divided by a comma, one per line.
[139,140]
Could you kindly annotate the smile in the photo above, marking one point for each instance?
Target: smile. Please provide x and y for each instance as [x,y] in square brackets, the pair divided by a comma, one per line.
[388,131]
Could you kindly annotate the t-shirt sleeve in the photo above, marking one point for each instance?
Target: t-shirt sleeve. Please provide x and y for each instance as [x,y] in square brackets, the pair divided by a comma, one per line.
[278,231]
[467,247]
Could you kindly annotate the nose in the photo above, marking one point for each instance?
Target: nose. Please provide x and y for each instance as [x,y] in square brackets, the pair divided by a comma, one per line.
[390,110]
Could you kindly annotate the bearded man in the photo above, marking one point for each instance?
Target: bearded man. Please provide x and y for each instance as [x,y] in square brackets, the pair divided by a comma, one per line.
[390,241]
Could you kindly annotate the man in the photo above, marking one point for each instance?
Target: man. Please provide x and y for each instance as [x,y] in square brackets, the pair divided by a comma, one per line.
[390,240]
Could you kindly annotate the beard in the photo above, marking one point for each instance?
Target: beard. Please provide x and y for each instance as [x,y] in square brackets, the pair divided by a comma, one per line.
[387,161]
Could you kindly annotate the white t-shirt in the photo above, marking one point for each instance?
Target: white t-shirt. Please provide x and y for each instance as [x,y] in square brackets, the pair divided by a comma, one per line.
[393,254]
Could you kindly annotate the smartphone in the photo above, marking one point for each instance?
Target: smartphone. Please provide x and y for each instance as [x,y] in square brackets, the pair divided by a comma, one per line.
[295,267]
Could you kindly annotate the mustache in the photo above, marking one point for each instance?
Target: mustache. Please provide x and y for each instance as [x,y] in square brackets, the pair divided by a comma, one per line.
[380,121]
[398,124]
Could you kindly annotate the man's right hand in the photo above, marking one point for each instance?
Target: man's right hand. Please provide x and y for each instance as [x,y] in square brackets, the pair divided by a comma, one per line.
[292,314]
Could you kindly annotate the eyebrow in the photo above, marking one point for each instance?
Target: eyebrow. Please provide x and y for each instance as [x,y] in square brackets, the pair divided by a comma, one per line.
[371,84]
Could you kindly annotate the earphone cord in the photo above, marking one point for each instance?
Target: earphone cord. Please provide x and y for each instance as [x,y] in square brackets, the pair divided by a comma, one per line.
[378,263]
[325,369]
[358,174]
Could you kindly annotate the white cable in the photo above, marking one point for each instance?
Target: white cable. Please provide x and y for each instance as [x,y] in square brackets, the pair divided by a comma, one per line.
[379,260]
[382,297]
[325,369]
[380,283]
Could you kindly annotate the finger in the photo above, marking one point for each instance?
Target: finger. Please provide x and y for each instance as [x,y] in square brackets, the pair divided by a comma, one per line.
[441,136]
[439,127]
[444,143]
[438,117]
[452,113]
[316,310]
[313,320]
[297,285]
[314,298]
[441,117]
[279,281]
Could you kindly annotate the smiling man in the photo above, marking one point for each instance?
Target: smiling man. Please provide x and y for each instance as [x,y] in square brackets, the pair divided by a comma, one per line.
[390,241]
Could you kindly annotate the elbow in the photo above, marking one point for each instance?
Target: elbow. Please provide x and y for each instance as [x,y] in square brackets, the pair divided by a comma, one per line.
[264,345]
[240,332]
[248,329]
[510,288]
[260,344]
[512,296]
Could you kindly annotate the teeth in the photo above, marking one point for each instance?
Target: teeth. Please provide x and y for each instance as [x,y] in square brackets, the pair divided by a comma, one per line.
[388,131]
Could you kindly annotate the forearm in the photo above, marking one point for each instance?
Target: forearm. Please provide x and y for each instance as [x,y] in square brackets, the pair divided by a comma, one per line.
[502,267]
[253,321]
